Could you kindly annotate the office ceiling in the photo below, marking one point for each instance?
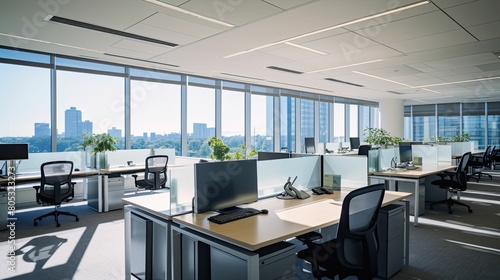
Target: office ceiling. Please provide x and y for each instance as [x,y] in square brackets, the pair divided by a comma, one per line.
[427,52]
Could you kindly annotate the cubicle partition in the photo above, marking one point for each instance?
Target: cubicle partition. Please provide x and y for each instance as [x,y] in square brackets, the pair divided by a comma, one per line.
[120,158]
[352,169]
[32,165]
[432,155]
[273,174]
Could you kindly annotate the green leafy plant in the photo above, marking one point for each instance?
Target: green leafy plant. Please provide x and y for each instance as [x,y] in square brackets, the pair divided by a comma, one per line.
[220,151]
[464,137]
[380,137]
[244,153]
[99,142]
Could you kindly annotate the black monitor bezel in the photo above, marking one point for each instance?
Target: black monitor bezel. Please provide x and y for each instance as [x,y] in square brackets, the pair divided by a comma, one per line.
[246,180]
[309,145]
[16,151]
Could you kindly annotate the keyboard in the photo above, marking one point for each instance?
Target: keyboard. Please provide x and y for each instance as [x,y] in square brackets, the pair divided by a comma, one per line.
[411,167]
[233,216]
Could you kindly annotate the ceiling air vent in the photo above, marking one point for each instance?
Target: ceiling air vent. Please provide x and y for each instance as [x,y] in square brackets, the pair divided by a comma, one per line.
[103,29]
[284,70]
[343,82]
[395,92]
[143,60]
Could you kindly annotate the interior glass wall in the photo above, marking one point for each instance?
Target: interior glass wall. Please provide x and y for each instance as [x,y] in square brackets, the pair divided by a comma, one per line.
[155,115]
[353,121]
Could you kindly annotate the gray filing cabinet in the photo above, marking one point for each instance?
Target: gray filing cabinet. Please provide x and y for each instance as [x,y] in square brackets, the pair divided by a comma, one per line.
[391,240]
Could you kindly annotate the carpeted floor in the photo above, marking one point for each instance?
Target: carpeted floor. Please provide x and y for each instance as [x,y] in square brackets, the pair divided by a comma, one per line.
[461,245]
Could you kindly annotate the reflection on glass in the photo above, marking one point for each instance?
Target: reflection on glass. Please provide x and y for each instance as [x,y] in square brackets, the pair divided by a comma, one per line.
[233,119]
[287,141]
[324,122]
[306,120]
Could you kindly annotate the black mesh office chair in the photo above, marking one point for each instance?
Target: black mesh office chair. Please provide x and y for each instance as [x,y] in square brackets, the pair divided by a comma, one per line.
[155,173]
[363,149]
[55,187]
[479,163]
[354,251]
[455,182]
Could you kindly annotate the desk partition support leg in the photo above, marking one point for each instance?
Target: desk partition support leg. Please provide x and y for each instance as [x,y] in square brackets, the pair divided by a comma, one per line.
[105,188]
[417,196]
[99,194]
[407,232]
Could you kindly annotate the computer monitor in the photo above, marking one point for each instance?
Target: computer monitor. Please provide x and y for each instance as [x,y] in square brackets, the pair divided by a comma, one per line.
[405,153]
[221,186]
[263,155]
[354,143]
[13,151]
[309,145]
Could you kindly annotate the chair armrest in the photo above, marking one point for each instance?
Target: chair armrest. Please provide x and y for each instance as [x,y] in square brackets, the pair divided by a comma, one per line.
[135,176]
[37,188]
[309,237]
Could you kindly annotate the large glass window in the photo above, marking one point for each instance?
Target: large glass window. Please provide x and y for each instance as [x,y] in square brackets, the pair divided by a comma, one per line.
[424,122]
[473,122]
[25,98]
[233,119]
[88,103]
[407,123]
[324,122]
[261,124]
[287,118]
[353,121]
[339,122]
[494,124]
[448,120]
[306,120]
[364,121]
[200,120]
[155,116]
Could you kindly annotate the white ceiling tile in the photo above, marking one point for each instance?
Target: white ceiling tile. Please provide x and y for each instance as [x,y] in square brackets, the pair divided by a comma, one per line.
[435,41]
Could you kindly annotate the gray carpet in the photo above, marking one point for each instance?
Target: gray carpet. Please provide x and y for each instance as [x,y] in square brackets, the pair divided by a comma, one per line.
[458,246]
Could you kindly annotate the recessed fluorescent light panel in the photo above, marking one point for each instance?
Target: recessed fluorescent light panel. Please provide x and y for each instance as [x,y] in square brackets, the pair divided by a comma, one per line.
[184,11]
[103,29]
[397,10]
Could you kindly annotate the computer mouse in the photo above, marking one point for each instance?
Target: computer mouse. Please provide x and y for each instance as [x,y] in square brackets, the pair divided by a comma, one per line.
[264,211]
[77,169]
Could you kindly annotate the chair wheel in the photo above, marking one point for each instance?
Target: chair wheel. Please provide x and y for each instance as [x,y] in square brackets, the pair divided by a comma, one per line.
[76,219]
[35,224]
[58,224]
[470,210]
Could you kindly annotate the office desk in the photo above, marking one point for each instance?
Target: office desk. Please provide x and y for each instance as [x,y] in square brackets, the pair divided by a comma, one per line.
[242,238]
[413,176]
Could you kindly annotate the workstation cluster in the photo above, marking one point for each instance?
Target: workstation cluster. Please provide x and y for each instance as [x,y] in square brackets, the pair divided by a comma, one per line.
[176,234]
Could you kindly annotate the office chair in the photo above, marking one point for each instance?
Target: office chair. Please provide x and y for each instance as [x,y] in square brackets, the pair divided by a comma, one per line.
[454,182]
[354,251]
[155,173]
[479,163]
[363,149]
[55,187]
[495,158]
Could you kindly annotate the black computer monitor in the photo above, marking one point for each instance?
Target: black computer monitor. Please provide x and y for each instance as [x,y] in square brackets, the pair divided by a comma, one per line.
[405,153]
[221,186]
[309,145]
[13,151]
[354,143]
[263,155]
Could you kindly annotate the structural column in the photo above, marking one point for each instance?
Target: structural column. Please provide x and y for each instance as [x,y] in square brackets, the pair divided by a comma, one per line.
[392,116]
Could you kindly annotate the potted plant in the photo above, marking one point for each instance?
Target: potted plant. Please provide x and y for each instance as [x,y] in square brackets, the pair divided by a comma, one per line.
[220,150]
[99,144]
[244,153]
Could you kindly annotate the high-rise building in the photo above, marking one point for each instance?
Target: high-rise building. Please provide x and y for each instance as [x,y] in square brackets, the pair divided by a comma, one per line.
[42,129]
[117,133]
[73,125]
[72,122]
[199,130]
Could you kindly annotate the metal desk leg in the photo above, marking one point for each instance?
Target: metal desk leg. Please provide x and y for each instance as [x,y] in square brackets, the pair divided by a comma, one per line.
[416,206]
[407,233]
